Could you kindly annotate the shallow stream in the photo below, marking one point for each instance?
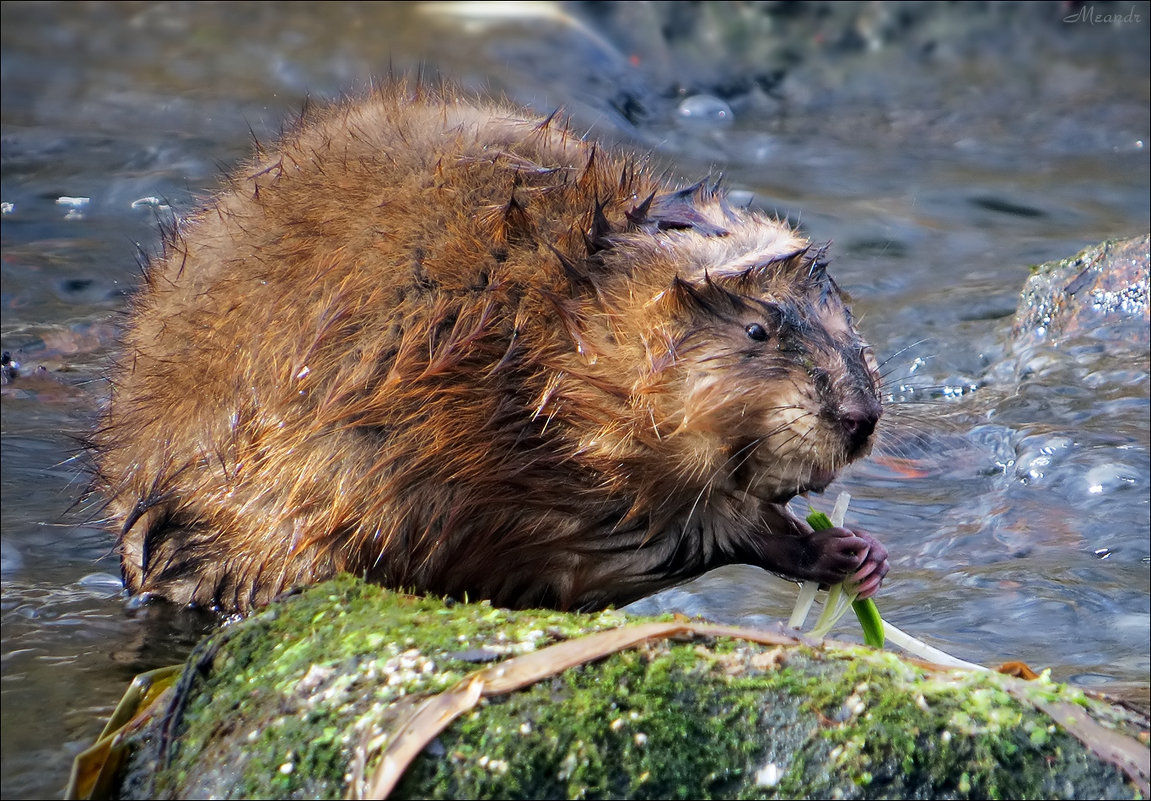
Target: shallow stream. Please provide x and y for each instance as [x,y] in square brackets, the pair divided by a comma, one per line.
[1011,490]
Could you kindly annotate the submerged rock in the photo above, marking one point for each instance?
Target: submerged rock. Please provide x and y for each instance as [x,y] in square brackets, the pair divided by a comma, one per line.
[298,700]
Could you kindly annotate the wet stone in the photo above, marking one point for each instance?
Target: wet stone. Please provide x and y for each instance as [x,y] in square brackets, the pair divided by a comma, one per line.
[1102,292]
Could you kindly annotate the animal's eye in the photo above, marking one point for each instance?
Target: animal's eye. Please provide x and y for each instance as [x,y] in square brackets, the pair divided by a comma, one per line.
[757,332]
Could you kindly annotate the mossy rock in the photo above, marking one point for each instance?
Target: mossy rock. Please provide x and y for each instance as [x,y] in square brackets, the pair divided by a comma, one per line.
[295,701]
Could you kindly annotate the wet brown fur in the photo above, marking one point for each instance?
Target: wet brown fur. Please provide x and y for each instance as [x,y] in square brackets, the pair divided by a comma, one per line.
[453,347]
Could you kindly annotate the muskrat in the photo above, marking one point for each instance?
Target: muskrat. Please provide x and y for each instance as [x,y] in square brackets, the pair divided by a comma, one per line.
[452,347]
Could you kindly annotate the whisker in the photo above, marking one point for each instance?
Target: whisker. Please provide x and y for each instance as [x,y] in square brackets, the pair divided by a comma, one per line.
[901,351]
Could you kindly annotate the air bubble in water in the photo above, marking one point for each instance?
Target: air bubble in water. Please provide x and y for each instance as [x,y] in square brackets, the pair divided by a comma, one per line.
[705,109]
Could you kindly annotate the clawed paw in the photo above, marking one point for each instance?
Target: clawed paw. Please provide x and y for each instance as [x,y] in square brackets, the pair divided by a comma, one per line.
[844,554]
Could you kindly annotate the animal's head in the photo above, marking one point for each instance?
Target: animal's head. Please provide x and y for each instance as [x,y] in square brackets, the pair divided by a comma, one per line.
[760,381]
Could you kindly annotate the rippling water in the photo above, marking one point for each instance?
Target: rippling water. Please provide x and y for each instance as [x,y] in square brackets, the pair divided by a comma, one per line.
[1011,490]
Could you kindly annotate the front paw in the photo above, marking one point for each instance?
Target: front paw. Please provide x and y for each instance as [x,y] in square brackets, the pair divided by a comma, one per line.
[844,554]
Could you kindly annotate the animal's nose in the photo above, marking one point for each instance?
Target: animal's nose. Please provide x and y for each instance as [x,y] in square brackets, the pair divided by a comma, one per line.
[858,423]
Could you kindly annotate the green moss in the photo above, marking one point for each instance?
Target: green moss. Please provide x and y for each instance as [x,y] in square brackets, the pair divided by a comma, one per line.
[278,705]
[633,725]
[329,660]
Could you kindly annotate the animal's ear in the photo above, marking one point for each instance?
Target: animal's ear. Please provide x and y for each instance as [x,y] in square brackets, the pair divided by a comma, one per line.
[802,266]
[688,297]
[678,298]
